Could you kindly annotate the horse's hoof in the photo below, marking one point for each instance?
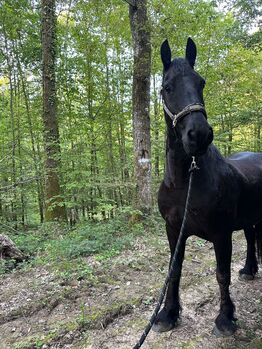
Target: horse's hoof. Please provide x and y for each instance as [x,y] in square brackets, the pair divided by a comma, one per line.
[248,272]
[165,322]
[161,327]
[246,277]
[226,332]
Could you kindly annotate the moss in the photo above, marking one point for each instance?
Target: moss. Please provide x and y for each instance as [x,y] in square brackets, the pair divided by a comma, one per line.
[35,342]
[101,317]
[137,322]
[97,318]
[256,344]
[50,302]
[38,340]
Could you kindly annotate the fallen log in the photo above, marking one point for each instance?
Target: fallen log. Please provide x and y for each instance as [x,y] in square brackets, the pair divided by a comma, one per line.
[8,249]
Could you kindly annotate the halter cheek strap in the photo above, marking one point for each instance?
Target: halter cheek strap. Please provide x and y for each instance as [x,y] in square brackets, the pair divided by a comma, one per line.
[187,110]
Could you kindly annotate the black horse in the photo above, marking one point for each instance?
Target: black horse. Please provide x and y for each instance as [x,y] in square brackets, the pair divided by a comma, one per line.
[226,194]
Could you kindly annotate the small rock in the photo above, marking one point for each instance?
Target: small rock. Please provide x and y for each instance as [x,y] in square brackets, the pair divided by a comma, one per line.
[13,329]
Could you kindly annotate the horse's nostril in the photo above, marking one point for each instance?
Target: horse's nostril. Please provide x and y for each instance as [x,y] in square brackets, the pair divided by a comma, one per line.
[191,134]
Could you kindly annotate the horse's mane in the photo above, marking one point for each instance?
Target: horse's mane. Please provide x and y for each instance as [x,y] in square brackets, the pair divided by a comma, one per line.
[214,153]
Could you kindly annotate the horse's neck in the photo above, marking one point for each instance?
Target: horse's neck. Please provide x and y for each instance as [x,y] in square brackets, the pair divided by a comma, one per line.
[177,163]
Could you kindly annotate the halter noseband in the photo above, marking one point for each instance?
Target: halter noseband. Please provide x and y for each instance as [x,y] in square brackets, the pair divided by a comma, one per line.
[187,110]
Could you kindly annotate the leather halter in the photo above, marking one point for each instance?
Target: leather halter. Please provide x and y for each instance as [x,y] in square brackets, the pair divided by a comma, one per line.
[187,110]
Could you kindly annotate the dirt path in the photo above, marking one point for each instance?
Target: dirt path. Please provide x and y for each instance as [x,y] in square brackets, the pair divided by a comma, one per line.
[38,310]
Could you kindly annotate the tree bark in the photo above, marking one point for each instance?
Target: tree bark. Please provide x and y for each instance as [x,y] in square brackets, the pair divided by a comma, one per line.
[156,129]
[13,126]
[32,138]
[257,145]
[141,103]
[54,208]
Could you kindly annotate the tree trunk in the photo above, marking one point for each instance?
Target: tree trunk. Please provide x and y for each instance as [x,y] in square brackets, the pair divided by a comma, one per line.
[32,138]
[156,129]
[109,130]
[257,126]
[141,102]
[22,189]
[55,210]
[12,115]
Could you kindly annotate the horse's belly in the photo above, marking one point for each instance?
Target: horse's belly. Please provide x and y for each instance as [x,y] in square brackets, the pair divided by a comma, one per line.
[250,207]
[249,166]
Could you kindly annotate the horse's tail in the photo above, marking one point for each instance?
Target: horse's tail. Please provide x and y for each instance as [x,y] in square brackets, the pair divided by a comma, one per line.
[259,241]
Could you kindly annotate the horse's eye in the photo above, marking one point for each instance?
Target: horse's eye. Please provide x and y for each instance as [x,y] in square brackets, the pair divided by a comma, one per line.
[167,89]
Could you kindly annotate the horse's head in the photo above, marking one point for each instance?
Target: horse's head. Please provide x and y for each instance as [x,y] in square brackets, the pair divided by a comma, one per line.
[182,92]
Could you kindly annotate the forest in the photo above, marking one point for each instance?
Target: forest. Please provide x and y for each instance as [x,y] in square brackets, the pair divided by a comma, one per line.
[82,155]
[94,159]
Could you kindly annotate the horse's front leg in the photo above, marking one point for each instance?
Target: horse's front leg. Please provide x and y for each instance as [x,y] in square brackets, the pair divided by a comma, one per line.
[225,322]
[168,316]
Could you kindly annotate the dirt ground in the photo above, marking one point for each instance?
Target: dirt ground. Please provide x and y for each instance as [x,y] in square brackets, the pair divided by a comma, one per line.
[39,310]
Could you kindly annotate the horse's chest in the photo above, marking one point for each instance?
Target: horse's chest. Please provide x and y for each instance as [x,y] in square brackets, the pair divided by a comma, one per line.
[206,210]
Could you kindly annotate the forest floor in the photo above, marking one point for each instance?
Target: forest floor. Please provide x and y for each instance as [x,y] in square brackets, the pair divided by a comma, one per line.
[108,309]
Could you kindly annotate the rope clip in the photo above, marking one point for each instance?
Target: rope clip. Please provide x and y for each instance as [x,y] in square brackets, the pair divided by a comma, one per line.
[193,165]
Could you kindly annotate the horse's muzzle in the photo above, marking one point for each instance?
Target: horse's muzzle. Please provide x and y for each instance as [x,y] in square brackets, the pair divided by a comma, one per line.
[196,145]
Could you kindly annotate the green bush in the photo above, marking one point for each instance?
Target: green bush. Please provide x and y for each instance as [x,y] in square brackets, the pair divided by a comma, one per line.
[65,251]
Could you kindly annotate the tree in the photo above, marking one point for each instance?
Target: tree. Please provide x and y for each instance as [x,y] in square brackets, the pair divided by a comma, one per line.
[94,72]
[141,103]
[54,207]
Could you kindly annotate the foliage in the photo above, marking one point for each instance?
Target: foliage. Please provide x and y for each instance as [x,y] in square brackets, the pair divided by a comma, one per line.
[94,74]
[66,252]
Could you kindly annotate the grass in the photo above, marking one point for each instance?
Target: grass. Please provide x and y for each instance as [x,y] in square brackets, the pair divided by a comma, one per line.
[100,316]
[65,251]
[69,254]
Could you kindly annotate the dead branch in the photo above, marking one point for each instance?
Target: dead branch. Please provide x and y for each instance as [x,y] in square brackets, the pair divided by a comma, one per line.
[14,185]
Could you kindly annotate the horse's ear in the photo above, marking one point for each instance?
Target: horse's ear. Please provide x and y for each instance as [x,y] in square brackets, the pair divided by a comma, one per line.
[191,52]
[165,54]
